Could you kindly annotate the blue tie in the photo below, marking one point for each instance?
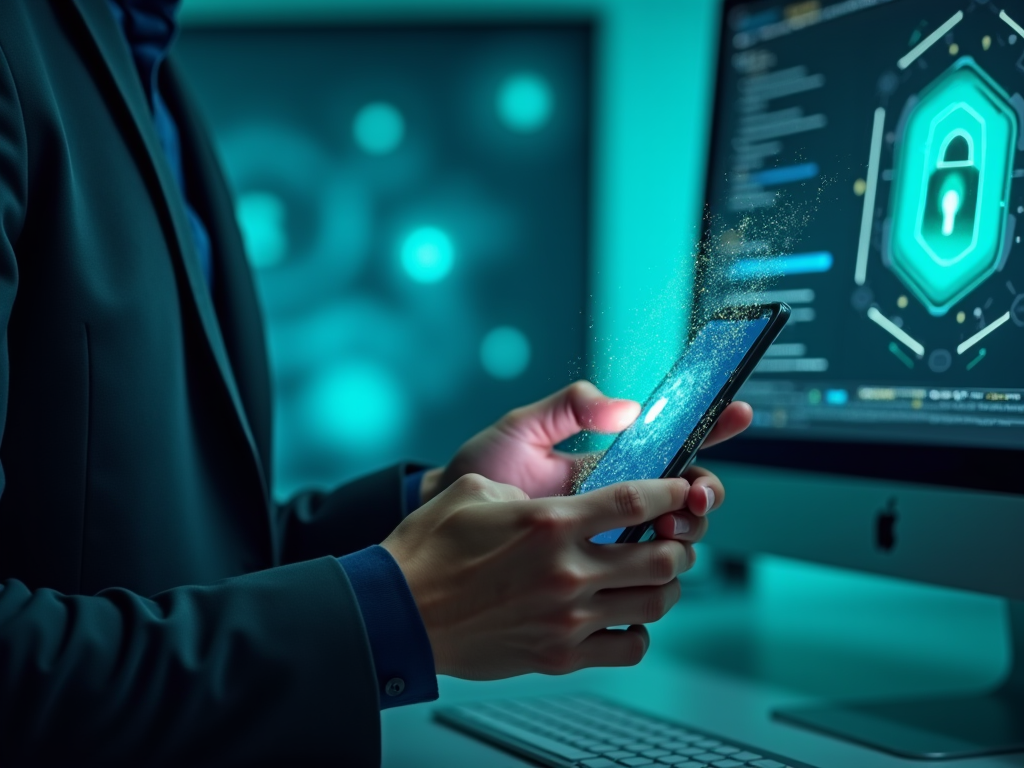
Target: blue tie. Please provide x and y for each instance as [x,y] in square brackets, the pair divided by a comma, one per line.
[149,26]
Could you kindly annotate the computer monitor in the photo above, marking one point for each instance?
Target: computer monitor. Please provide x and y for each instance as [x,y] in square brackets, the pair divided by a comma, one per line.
[866,167]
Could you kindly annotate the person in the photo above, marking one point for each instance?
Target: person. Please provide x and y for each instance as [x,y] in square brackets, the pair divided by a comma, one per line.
[157,607]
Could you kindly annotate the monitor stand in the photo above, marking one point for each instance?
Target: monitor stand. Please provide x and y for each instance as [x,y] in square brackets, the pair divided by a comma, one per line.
[937,728]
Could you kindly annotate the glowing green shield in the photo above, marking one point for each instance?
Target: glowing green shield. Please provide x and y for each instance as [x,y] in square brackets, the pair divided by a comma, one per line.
[952,176]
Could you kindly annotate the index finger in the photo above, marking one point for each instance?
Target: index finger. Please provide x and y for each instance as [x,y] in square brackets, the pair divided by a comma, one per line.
[630,503]
[734,419]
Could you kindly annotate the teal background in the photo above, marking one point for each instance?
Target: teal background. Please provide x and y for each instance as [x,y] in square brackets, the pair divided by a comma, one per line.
[655,60]
[655,65]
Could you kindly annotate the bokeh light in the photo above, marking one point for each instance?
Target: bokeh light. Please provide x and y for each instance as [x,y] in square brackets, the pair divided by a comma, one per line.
[505,352]
[356,406]
[378,128]
[262,218]
[428,255]
[525,102]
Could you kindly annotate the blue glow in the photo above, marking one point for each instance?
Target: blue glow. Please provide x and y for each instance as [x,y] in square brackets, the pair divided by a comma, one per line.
[378,128]
[837,397]
[505,352]
[356,406]
[647,447]
[428,255]
[785,175]
[261,218]
[525,102]
[798,264]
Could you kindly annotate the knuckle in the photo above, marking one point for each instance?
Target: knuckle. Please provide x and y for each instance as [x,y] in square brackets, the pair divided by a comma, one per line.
[635,650]
[691,556]
[568,581]
[629,502]
[655,606]
[663,563]
[548,520]
[557,660]
[472,483]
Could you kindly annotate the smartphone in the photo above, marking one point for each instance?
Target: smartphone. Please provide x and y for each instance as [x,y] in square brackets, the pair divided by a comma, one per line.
[676,419]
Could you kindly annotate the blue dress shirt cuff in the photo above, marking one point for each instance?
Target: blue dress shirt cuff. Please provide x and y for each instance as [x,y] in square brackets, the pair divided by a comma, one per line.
[402,656]
[411,493]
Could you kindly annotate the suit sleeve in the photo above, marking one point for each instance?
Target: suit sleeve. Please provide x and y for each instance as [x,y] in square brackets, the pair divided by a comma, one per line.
[268,668]
[353,517]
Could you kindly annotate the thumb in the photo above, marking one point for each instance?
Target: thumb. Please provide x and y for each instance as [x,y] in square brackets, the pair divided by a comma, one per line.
[579,406]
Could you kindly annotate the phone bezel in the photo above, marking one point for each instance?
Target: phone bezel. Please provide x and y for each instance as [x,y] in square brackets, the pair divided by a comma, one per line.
[778,313]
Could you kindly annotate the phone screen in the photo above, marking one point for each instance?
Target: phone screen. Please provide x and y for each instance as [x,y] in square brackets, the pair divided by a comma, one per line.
[645,449]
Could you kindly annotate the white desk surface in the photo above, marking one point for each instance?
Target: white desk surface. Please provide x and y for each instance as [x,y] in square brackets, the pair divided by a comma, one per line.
[723,660]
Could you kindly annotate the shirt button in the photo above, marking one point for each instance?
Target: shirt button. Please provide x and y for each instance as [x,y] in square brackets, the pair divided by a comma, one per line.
[394,686]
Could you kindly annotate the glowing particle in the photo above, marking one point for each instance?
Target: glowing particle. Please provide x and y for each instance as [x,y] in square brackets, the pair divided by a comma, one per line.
[960,316]
[427,255]
[902,302]
[261,218]
[986,42]
[814,396]
[525,102]
[859,187]
[378,128]
[656,409]
[505,352]
[954,49]
[355,406]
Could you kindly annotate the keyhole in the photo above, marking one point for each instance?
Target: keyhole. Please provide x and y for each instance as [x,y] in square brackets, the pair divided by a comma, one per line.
[950,206]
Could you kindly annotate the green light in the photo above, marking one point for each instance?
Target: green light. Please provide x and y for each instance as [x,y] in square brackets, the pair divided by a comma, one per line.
[378,128]
[525,102]
[953,169]
[261,217]
[505,352]
[356,406]
[428,255]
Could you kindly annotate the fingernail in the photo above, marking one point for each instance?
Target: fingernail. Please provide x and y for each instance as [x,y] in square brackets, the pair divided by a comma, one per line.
[711,498]
[682,525]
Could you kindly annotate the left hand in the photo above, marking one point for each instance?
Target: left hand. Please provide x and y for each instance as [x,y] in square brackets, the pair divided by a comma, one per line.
[520,450]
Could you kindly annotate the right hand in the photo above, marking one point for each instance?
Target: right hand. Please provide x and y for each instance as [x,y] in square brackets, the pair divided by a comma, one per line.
[507,585]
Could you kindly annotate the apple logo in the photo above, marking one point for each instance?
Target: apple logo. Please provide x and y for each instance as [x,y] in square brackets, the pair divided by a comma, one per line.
[885,526]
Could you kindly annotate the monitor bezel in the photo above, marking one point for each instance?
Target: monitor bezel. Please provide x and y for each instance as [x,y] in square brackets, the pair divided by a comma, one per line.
[964,467]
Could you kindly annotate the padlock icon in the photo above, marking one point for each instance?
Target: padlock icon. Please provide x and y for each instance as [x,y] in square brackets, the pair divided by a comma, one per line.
[954,153]
[950,209]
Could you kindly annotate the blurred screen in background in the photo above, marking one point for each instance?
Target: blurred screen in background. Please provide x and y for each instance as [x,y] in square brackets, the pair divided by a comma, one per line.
[415,206]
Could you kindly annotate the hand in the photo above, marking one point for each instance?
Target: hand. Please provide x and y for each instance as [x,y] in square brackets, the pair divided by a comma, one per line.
[519,449]
[507,585]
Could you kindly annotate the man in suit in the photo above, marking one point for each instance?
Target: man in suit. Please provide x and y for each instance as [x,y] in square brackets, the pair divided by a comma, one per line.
[157,607]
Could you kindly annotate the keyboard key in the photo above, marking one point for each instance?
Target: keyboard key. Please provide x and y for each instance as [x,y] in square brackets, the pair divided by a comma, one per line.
[637,746]
[597,762]
[619,754]
[673,759]
[635,761]
[690,751]
[549,745]
[656,753]
[768,764]
[727,763]
[707,743]
[691,764]
[746,757]
[720,750]
[706,757]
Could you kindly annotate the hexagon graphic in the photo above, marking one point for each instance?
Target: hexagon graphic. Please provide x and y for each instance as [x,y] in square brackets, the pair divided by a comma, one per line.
[953,167]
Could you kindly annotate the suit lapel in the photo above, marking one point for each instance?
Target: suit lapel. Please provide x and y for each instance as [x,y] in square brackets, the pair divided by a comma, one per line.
[110,46]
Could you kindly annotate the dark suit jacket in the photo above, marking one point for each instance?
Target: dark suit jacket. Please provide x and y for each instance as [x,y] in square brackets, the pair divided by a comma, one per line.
[156,606]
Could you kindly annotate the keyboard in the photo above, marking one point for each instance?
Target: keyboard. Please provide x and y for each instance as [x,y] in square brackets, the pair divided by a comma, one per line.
[592,732]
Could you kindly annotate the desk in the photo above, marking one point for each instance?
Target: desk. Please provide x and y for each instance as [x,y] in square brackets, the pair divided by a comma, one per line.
[723,660]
